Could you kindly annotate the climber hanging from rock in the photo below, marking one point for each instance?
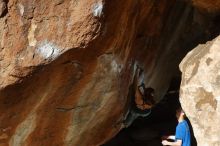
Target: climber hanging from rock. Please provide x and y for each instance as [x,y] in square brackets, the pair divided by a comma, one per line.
[141,99]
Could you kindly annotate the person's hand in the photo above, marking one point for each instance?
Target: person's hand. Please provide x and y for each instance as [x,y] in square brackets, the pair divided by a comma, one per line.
[138,71]
[165,142]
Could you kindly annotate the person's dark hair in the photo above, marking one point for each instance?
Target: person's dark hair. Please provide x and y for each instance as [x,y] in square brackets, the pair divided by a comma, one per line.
[181,110]
[148,91]
[149,96]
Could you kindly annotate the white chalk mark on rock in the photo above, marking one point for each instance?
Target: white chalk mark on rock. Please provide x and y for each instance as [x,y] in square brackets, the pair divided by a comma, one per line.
[48,50]
[31,39]
[116,67]
[21,9]
[97,9]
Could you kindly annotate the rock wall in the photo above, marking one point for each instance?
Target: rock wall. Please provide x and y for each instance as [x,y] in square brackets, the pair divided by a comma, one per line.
[200,94]
[65,66]
[208,6]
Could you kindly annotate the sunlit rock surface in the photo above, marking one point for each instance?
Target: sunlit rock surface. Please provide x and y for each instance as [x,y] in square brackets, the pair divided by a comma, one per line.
[66,65]
[200,94]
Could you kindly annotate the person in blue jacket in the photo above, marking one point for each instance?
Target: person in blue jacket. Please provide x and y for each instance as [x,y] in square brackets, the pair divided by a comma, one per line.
[182,136]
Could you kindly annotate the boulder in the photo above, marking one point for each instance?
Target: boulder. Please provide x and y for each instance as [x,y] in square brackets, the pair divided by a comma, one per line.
[66,65]
[200,94]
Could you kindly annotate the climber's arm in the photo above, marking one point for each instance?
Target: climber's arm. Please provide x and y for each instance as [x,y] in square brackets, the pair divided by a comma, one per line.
[172,137]
[136,77]
[138,95]
[176,143]
[138,98]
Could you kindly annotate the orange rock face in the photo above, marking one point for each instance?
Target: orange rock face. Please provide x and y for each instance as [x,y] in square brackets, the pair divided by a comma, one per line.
[66,66]
[211,6]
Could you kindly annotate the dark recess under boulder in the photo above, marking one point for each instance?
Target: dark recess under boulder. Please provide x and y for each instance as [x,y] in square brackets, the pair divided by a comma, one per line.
[162,121]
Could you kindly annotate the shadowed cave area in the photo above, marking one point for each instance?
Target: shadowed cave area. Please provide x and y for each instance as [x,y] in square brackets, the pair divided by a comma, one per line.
[162,121]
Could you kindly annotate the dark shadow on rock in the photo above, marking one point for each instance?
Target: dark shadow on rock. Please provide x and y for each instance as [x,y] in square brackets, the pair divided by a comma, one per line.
[148,131]
[162,121]
[193,139]
[4,9]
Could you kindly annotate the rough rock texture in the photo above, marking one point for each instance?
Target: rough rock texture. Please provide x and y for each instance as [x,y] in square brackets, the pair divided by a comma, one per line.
[66,65]
[200,94]
[211,6]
